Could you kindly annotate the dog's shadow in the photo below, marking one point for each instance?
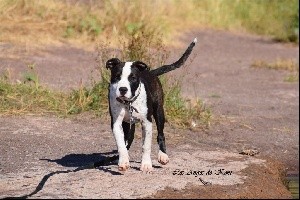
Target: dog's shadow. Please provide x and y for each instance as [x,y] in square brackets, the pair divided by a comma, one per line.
[95,160]
[80,160]
[88,161]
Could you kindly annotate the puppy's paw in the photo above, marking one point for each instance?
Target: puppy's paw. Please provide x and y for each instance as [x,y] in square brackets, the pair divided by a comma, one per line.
[123,164]
[123,167]
[163,158]
[146,167]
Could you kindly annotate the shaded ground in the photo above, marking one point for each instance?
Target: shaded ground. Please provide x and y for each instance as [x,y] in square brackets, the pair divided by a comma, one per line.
[253,108]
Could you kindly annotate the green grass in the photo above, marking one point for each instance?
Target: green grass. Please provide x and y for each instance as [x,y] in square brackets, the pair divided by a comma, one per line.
[89,99]
[279,19]
[28,97]
[16,99]
[184,112]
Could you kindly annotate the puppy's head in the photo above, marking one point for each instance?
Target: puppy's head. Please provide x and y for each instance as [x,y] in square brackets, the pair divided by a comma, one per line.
[125,77]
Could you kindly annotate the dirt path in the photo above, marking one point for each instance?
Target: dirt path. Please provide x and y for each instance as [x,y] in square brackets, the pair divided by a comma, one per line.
[261,110]
[253,108]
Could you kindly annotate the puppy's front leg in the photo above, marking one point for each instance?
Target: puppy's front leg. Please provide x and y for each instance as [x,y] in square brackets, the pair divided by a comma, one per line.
[147,139]
[122,150]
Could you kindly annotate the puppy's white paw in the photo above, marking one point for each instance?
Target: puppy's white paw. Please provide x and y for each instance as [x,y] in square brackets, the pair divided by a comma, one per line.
[163,158]
[146,167]
[123,164]
[123,167]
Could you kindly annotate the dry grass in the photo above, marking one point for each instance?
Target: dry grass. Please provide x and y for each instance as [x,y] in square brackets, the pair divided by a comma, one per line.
[39,22]
[281,64]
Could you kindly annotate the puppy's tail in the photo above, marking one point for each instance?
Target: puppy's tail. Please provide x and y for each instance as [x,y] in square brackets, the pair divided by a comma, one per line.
[166,68]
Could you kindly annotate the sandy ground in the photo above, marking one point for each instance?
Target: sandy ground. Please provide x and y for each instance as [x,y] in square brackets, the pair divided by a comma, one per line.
[252,108]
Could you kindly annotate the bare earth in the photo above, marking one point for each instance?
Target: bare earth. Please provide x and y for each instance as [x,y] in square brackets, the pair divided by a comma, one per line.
[252,109]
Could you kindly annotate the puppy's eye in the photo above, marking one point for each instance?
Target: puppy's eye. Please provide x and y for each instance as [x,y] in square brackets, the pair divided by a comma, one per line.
[132,77]
[118,76]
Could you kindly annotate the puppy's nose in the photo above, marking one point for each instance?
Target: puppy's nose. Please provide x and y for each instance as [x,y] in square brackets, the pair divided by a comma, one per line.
[123,90]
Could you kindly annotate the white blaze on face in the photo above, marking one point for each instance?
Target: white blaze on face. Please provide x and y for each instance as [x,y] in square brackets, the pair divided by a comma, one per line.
[124,82]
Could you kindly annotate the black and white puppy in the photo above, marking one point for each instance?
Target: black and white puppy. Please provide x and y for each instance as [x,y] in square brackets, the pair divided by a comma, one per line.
[135,94]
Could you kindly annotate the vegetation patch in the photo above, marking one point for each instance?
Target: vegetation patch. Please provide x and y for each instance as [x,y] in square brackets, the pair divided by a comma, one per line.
[281,64]
[85,22]
[25,98]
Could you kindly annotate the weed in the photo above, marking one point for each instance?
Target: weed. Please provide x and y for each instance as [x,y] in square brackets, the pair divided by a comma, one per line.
[31,76]
[184,112]
[6,75]
[294,77]
[89,99]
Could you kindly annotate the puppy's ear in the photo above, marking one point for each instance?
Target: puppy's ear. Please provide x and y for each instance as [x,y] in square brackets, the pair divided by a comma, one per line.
[140,65]
[112,62]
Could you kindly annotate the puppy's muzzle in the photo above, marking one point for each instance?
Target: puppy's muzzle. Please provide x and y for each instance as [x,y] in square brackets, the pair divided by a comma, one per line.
[123,90]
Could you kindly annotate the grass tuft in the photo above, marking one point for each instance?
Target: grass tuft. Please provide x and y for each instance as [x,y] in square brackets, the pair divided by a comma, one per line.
[181,111]
[281,64]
